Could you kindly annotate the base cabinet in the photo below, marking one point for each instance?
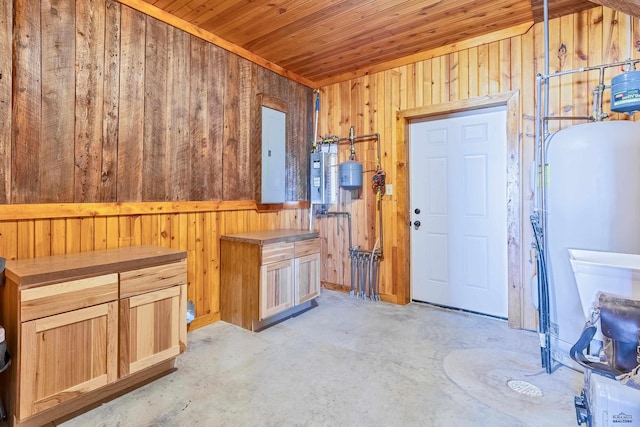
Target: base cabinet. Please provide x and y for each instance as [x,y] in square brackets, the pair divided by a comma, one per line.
[86,326]
[66,355]
[307,271]
[150,328]
[267,274]
[276,288]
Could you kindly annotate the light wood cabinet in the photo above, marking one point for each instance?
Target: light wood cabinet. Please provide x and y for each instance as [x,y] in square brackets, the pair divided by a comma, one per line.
[276,288]
[307,270]
[152,307]
[151,329]
[66,355]
[268,276]
[84,327]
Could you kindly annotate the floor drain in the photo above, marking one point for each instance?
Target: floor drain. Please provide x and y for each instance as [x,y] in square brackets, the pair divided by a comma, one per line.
[524,387]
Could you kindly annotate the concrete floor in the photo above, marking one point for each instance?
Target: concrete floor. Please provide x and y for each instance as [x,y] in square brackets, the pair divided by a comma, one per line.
[350,362]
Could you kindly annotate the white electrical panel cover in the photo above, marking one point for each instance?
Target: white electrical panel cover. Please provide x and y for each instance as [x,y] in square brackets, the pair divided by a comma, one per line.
[274,141]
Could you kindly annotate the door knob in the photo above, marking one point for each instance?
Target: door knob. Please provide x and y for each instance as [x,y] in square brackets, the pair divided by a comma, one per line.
[417,211]
[416,224]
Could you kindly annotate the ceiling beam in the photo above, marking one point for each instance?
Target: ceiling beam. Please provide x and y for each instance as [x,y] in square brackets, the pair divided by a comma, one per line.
[558,8]
[630,7]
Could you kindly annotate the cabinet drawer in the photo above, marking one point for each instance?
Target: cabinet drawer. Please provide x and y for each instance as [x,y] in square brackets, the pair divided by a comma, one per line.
[66,296]
[143,280]
[307,247]
[277,252]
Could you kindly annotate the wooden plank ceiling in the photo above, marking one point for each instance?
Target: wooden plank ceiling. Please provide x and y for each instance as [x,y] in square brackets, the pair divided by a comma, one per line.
[322,40]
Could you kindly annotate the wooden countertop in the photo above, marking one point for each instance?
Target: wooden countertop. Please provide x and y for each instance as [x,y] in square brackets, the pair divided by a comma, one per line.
[271,236]
[28,272]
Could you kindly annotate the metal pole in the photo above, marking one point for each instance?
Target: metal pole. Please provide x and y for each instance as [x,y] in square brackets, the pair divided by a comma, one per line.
[545,350]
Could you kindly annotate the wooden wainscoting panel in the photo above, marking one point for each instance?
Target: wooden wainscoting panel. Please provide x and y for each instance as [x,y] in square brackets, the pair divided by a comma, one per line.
[185,226]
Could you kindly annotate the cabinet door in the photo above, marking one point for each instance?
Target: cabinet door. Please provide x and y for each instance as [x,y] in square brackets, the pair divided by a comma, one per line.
[307,271]
[65,355]
[153,328]
[276,288]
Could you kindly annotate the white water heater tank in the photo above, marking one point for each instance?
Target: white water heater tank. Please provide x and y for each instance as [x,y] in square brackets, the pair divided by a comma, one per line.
[593,203]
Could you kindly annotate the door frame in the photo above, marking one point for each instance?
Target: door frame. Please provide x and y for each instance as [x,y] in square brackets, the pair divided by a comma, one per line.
[511,100]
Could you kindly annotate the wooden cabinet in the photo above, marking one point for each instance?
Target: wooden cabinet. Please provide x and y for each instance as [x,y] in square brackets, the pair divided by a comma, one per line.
[276,288]
[87,326]
[268,276]
[152,307]
[66,355]
[307,270]
[68,341]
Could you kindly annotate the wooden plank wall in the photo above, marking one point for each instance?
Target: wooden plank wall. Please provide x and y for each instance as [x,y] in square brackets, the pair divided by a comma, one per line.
[592,37]
[197,232]
[6,39]
[110,104]
[100,103]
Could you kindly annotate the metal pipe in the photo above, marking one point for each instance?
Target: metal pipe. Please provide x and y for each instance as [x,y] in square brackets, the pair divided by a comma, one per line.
[568,118]
[592,68]
[545,350]
[376,280]
[348,215]
[546,58]
[601,88]
[367,277]
[366,136]
[538,187]
[360,275]
[352,138]
[352,255]
[371,272]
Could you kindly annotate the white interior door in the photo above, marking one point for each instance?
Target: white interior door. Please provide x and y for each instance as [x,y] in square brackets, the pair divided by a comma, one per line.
[458,196]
